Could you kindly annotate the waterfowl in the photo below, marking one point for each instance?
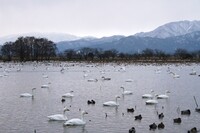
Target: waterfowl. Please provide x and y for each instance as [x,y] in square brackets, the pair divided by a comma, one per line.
[193,72]
[91,102]
[68,95]
[62,100]
[138,117]
[44,86]
[92,80]
[161,116]
[104,78]
[161,126]
[130,110]
[28,94]
[163,96]
[193,130]
[128,80]
[152,126]
[185,112]
[76,121]
[112,103]
[126,92]
[132,130]
[151,102]
[177,120]
[59,117]
[148,95]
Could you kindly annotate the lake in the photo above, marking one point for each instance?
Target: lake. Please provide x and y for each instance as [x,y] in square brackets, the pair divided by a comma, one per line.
[24,115]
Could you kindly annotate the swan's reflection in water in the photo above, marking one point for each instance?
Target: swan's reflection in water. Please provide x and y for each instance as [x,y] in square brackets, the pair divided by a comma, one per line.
[75,129]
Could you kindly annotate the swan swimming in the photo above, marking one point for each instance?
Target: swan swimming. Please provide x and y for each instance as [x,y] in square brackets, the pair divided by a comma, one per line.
[104,78]
[126,92]
[59,117]
[44,86]
[148,95]
[175,75]
[68,95]
[193,72]
[92,80]
[163,96]
[76,121]
[112,103]
[128,80]
[152,101]
[27,94]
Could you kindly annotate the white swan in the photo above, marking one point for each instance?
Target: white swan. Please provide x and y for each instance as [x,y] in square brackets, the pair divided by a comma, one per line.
[85,75]
[44,76]
[128,80]
[92,80]
[175,75]
[104,78]
[76,121]
[68,95]
[148,95]
[44,86]
[62,70]
[59,117]
[27,94]
[152,101]
[193,72]
[112,103]
[163,96]
[126,92]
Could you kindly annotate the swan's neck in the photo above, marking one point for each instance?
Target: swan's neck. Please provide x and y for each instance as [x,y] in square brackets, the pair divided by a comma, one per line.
[116,100]
[82,117]
[32,93]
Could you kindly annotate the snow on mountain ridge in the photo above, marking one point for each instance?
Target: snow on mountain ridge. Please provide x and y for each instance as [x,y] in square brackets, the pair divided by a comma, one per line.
[172,29]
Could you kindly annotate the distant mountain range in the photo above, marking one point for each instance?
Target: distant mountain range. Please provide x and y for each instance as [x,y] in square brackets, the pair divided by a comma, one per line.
[55,37]
[168,37]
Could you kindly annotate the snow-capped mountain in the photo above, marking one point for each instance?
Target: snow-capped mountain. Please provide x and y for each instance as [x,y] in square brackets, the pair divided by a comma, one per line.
[172,29]
[133,44]
[55,37]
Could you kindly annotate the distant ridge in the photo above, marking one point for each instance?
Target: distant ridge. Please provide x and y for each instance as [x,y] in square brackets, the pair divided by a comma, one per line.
[172,29]
[55,37]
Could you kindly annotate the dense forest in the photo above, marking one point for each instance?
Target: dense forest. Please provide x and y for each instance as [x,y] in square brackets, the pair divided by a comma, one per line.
[39,49]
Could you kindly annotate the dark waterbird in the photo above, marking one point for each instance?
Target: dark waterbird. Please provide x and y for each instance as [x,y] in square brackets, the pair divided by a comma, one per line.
[152,126]
[130,110]
[132,130]
[138,117]
[185,112]
[161,116]
[62,100]
[177,120]
[161,126]
[193,130]
[91,102]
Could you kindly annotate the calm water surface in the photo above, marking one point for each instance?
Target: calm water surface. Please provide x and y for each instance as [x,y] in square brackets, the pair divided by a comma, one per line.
[24,115]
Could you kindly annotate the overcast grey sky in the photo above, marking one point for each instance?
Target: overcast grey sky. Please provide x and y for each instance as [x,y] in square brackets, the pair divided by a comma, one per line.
[92,17]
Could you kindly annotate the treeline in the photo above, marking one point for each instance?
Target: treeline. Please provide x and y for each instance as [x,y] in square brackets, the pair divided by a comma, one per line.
[145,55]
[28,49]
[38,49]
